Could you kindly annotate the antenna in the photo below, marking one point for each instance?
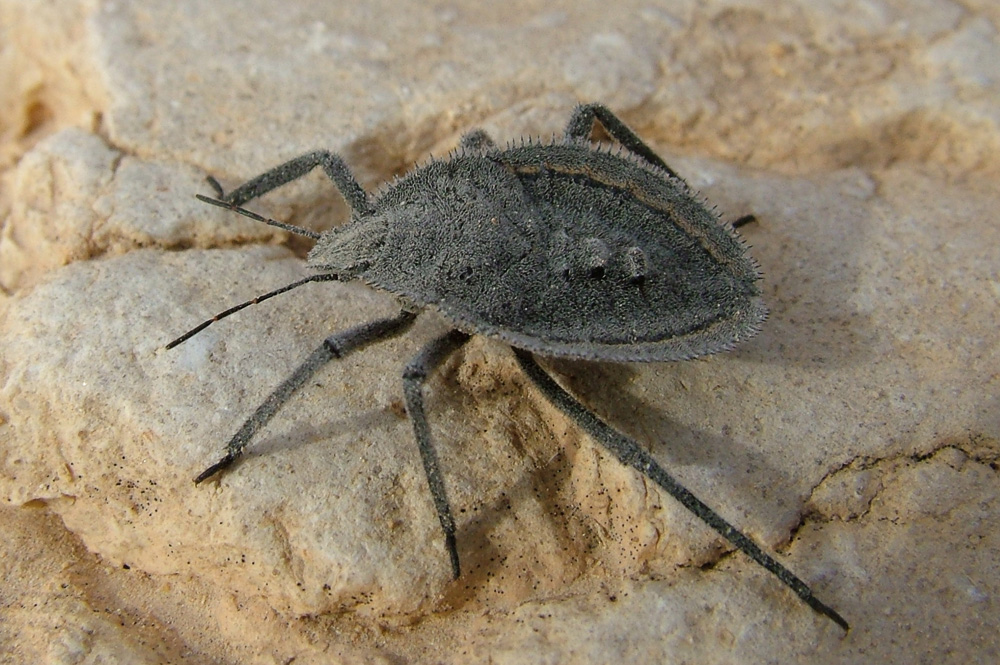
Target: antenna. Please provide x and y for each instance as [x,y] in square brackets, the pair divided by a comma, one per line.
[325,277]
[258,218]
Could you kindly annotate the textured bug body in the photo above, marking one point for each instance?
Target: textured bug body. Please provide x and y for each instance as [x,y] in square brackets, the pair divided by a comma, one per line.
[561,249]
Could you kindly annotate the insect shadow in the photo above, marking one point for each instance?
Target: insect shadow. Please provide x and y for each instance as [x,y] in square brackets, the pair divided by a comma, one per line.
[558,248]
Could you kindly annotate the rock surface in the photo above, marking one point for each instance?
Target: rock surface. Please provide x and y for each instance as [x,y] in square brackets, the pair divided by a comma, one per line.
[857,435]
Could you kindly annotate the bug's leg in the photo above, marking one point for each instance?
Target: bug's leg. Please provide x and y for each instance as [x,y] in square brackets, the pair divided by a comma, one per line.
[631,454]
[335,346]
[476,141]
[581,124]
[414,375]
[333,165]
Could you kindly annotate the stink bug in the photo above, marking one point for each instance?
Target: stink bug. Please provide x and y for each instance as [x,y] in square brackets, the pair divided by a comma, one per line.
[559,249]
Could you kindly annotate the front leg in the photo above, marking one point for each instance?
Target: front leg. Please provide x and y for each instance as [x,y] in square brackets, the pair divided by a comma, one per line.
[333,165]
[335,346]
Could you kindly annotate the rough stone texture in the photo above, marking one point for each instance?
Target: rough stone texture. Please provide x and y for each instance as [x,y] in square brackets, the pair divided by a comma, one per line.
[857,435]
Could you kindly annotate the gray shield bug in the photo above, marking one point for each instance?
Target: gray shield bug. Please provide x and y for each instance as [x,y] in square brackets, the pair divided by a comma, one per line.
[557,248]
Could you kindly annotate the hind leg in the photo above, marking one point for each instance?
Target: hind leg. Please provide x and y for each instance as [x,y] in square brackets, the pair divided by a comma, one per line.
[630,453]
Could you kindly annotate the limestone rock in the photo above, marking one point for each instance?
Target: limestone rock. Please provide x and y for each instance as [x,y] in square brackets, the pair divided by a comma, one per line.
[857,435]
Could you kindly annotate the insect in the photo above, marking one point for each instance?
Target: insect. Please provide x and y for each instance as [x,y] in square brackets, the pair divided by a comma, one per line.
[560,249]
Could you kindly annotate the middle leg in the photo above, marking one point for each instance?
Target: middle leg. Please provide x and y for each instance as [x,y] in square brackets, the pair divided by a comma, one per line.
[581,124]
[416,372]
[477,141]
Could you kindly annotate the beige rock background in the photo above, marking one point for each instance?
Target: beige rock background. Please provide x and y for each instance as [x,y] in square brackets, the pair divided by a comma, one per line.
[857,435]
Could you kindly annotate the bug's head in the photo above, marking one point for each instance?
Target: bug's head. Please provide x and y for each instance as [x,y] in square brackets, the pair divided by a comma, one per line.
[349,250]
